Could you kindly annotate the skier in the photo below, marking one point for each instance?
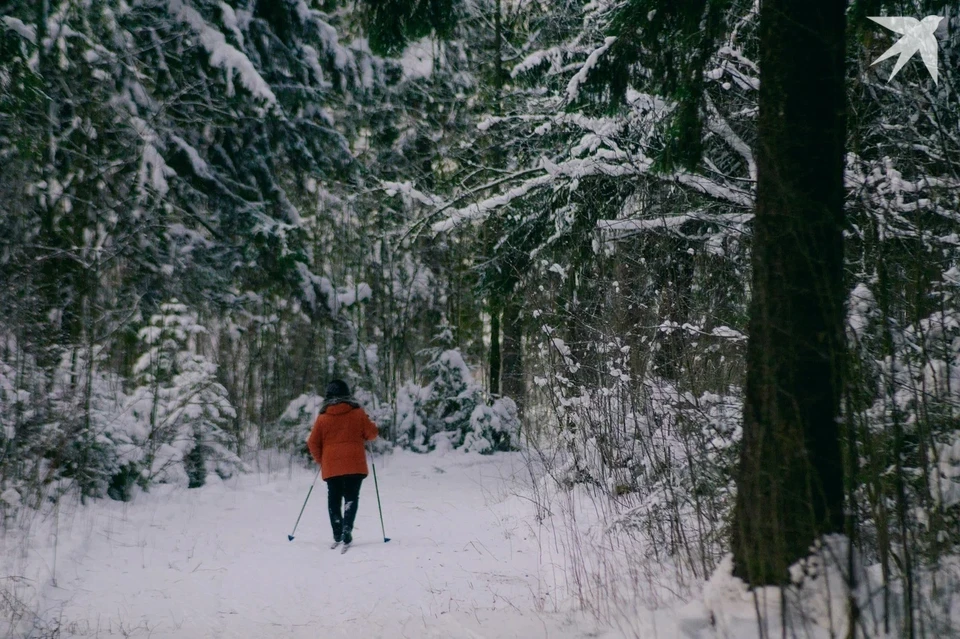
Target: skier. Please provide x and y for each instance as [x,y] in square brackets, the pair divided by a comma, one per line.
[337,444]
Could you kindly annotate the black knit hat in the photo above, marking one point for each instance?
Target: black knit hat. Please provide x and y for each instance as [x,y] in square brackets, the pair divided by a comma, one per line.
[337,389]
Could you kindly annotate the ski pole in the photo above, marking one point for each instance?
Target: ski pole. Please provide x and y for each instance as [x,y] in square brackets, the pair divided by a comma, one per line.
[377,487]
[290,536]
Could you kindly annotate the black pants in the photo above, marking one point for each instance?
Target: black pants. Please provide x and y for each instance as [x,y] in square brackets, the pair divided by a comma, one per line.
[345,488]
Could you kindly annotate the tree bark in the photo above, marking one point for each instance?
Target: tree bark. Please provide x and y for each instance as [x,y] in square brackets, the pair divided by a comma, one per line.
[491,234]
[495,358]
[790,480]
[512,378]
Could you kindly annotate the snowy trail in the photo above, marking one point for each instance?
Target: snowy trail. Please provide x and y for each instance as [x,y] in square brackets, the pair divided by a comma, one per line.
[216,562]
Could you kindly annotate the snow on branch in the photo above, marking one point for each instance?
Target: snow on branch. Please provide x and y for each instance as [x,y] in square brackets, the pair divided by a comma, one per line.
[719,125]
[311,284]
[572,169]
[603,162]
[883,188]
[26,31]
[573,88]
[223,54]
[603,127]
[673,221]
[153,168]
[554,55]
[718,191]
[480,210]
[407,191]
[731,60]
[535,59]
[199,165]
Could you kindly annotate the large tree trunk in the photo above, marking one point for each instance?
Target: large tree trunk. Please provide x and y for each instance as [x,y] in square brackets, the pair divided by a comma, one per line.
[790,483]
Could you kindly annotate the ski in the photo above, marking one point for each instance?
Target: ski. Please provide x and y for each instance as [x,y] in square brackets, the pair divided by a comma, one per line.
[334,545]
[345,548]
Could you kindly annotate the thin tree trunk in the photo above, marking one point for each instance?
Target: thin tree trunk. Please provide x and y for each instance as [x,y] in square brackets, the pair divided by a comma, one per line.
[676,284]
[513,383]
[883,299]
[790,483]
[498,60]
[491,234]
[495,359]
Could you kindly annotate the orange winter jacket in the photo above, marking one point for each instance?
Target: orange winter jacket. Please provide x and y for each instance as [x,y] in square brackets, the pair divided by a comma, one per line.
[336,441]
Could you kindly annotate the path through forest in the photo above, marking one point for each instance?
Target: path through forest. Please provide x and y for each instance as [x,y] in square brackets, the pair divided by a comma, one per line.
[215,562]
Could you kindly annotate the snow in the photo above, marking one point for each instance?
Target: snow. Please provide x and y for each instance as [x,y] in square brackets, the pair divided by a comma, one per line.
[861,308]
[945,473]
[312,59]
[224,55]
[199,165]
[28,32]
[721,127]
[573,87]
[410,194]
[535,59]
[11,497]
[609,162]
[353,294]
[303,407]
[556,56]
[343,57]
[153,168]
[674,221]
[728,333]
[311,284]
[418,59]
[463,560]
[230,22]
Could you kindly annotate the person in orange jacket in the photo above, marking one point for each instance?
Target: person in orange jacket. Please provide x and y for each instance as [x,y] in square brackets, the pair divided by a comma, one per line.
[337,445]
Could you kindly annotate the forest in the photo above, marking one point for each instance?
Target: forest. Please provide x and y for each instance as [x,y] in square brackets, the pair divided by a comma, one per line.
[697,260]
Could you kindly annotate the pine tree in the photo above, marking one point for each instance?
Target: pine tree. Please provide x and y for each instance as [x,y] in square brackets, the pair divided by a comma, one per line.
[183,410]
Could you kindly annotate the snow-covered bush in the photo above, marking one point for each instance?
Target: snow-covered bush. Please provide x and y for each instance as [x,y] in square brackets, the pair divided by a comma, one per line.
[452,411]
[381,413]
[492,427]
[60,425]
[452,396]
[104,441]
[180,408]
[9,503]
[294,425]
[15,413]
[410,422]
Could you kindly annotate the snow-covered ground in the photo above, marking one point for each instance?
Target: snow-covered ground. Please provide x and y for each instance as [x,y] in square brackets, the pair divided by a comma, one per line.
[467,560]
[463,560]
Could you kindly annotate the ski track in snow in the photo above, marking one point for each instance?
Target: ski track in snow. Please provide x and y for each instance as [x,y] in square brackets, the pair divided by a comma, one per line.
[463,560]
